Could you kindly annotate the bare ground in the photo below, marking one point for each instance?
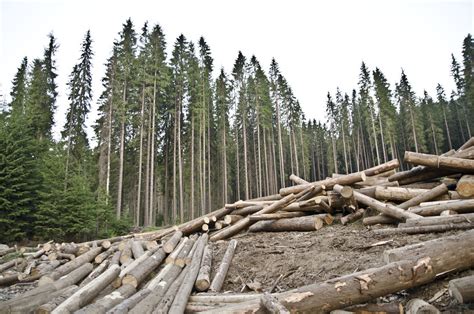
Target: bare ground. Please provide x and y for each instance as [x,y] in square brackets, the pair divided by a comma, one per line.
[304,258]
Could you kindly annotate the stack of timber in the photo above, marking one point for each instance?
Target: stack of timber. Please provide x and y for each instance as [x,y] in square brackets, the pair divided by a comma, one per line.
[169,270]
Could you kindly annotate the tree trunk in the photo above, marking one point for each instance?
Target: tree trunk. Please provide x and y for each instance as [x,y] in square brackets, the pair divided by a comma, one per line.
[192,165]
[138,274]
[280,146]
[305,223]
[424,197]
[169,246]
[140,161]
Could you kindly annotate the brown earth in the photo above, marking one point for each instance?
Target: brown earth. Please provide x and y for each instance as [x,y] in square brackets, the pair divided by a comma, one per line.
[304,258]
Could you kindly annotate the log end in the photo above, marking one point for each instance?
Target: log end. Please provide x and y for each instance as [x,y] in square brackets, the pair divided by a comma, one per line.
[130,280]
[202,285]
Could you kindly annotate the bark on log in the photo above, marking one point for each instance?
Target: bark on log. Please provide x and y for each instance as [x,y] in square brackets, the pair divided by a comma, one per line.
[426,196]
[353,216]
[70,248]
[84,295]
[246,211]
[218,280]
[104,304]
[183,254]
[138,274]
[352,289]
[399,194]
[306,223]
[69,266]
[137,249]
[387,209]
[130,267]
[203,279]
[468,144]
[244,223]
[439,162]
[167,299]
[115,260]
[278,215]
[49,306]
[298,180]
[347,179]
[95,273]
[462,289]
[389,165]
[426,229]
[444,252]
[31,299]
[272,305]
[182,295]
[418,306]
[126,305]
[172,257]
[126,256]
[460,206]
[204,298]
[102,256]
[438,220]
[465,186]
[170,245]
[231,219]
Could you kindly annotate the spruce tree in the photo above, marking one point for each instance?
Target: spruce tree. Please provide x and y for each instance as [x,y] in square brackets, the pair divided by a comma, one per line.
[19,90]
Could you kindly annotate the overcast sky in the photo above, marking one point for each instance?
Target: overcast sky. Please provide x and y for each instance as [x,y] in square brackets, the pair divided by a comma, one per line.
[319,44]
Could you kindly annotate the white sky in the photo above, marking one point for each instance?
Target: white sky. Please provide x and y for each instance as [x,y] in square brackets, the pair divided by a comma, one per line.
[319,45]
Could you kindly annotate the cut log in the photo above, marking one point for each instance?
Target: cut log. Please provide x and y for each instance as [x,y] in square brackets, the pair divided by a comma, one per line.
[10,264]
[115,260]
[31,299]
[347,179]
[440,162]
[438,220]
[468,144]
[95,273]
[69,266]
[278,215]
[151,245]
[444,252]
[85,294]
[387,209]
[51,305]
[205,228]
[172,257]
[246,211]
[204,298]
[126,305]
[138,274]
[418,306]
[272,305]
[218,280]
[137,249]
[218,225]
[465,186]
[353,216]
[360,287]
[231,219]
[398,194]
[183,253]
[184,291]
[70,248]
[462,289]
[102,256]
[109,301]
[244,223]
[297,179]
[195,225]
[389,165]
[169,246]
[426,229]
[204,276]
[130,267]
[460,206]
[167,299]
[306,223]
[426,196]
[126,257]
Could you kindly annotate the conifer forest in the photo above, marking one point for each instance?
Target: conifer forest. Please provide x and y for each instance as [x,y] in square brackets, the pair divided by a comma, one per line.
[177,137]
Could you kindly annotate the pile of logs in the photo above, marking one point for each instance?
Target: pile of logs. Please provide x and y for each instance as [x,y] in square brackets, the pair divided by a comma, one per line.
[160,271]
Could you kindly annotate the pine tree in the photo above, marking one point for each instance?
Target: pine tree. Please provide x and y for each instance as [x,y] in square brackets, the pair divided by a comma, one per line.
[19,90]
[80,97]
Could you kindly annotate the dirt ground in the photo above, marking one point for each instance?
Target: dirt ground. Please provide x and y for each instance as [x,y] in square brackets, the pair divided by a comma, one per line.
[304,258]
